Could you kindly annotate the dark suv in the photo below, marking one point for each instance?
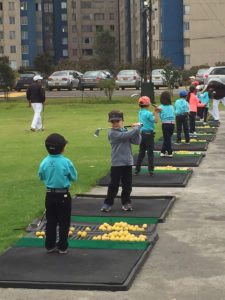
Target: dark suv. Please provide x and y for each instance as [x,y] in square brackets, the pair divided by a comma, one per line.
[25,80]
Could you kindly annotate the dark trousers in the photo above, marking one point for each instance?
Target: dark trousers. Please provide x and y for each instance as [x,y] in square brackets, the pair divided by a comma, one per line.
[192,117]
[58,211]
[167,130]
[205,114]
[182,122]
[123,173]
[147,144]
[200,112]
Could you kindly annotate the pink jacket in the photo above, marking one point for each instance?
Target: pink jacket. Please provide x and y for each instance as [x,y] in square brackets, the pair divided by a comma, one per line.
[194,103]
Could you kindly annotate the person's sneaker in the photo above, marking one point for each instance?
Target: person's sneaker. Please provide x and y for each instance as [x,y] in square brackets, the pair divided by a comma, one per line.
[187,143]
[53,250]
[162,154]
[204,123]
[170,155]
[106,208]
[177,143]
[127,207]
[136,173]
[150,173]
[62,251]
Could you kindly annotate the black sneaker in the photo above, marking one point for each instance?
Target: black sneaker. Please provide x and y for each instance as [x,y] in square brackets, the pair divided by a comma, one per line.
[106,208]
[150,173]
[136,173]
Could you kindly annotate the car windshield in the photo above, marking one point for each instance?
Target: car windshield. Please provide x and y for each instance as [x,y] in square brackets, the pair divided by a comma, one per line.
[126,72]
[157,72]
[59,74]
[27,75]
[91,73]
[201,71]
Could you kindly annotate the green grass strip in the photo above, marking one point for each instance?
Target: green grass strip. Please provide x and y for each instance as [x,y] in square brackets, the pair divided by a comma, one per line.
[86,244]
[100,220]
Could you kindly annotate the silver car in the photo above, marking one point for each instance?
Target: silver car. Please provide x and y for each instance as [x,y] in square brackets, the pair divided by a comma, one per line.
[215,74]
[158,78]
[66,79]
[92,79]
[128,79]
[200,75]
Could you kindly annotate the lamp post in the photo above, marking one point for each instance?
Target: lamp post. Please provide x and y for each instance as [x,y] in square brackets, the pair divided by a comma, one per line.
[147,87]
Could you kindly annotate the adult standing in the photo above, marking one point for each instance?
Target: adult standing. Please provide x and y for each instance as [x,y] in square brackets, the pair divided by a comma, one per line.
[36,98]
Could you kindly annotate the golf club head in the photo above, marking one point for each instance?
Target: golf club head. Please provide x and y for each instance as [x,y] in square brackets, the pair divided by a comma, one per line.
[97,131]
[135,95]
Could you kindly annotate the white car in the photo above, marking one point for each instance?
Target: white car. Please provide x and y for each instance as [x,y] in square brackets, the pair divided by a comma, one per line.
[128,79]
[215,74]
[66,79]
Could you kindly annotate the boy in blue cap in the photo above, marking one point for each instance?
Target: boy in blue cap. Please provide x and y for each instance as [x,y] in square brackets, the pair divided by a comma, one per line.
[57,172]
[181,112]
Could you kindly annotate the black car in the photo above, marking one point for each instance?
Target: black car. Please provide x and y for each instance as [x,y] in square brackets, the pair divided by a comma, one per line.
[24,81]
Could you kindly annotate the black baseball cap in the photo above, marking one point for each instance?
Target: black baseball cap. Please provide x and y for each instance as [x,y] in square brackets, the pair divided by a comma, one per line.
[115,115]
[55,143]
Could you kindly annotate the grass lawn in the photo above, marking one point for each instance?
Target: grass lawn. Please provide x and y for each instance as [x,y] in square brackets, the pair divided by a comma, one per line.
[22,193]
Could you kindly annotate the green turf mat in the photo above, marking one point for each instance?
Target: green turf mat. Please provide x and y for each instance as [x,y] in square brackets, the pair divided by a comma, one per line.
[130,220]
[86,244]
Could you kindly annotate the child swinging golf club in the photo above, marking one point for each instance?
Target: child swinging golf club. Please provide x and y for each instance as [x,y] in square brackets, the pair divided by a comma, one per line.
[122,160]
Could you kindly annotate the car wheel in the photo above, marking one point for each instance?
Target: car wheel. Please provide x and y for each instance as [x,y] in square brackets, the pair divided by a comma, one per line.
[123,88]
[49,89]
[58,89]
[117,88]
[157,87]
[91,89]
[137,87]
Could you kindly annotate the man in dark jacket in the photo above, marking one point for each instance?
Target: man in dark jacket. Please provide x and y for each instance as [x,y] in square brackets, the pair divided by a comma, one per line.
[36,98]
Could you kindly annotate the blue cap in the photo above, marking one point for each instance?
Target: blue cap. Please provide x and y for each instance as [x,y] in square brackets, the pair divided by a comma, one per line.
[183,93]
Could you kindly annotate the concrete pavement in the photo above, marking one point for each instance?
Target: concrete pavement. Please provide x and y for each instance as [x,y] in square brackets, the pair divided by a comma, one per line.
[188,261]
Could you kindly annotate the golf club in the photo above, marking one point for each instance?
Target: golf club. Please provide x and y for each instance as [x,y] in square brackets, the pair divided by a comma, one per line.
[97,131]
[34,226]
[43,115]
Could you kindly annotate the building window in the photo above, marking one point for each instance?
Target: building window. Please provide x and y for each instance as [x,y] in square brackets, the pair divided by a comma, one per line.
[99,28]
[23,5]
[88,52]
[86,4]
[1,35]
[1,6]
[187,59]
[186,9]
[24,20]
[112,27]
[12,49]
[186,26]
[24,35]
[12,20]
[25,49]
[64,28]
[186,43]
[86,17]
[99,16]
[1,50]
[64,41]
[48,7]
[74,17]
[65,52]
[64,17]
[111,16]
[86,28]
[73,4]
[1,20]
[38,6]
[12,35]
[86,40]
[74,28]
[63,5]
[74,51]
[11,5]
[25,63]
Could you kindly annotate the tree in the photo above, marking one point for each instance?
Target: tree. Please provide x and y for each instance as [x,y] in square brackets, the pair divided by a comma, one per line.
[171,77]
[105,50]
[44,63]
[7,77]
[109,86]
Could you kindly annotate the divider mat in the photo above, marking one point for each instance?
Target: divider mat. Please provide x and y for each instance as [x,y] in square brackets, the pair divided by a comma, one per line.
[177,160]
[205,129]
[84,269]
[159,179]
[209,123]
[202,136]
[196,146]
[145,207]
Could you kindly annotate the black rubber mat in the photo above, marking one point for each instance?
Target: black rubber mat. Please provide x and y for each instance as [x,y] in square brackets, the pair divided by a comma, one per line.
[207,137]
[201,129]
[84,269]
[176,160]
[203,146]
[144,207]
[158,180]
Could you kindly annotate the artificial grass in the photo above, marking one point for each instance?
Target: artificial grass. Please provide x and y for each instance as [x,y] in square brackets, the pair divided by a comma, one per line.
[22,193]
[130,220]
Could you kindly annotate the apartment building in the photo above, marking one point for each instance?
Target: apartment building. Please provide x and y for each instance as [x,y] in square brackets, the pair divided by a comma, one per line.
[86,18]
[204,38]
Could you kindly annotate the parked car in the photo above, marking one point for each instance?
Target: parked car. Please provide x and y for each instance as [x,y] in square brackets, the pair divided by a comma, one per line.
[158,79]
[215,74]
[128,79]
[65,79]
[200,75]
[92,79]
[25,80]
